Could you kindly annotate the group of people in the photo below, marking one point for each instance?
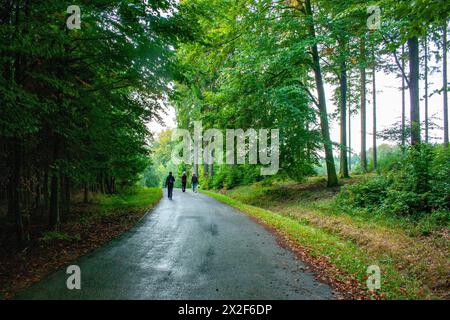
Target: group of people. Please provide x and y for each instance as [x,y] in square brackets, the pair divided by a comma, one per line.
[170,182]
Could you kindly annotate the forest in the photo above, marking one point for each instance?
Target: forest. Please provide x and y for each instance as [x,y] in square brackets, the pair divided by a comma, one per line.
[252,64]
[303,66]
[74,104]
[78,150]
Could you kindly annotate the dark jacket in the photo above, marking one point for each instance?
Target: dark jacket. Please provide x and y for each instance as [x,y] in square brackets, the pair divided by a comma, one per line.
[184,179]
[170,181]
[194,179]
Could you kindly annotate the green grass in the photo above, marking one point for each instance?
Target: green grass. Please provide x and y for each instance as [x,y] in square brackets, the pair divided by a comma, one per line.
[416,247]
[340,252]
[133,201]
[89,226]
[139,198]
[315,196]
[50,236]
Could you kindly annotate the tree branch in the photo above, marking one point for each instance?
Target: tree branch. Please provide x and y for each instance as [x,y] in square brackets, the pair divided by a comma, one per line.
[397,62]
[313,98]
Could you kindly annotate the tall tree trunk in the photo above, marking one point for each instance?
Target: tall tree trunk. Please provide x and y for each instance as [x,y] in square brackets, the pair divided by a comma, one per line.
[205,161]
[54,218]
[211,166]
[15,151]
[343,93]
[62,211]
[349,130]
[86,193]
[426,88]
[14,191]
[45,188]
[106,181]
[374,98]
[413,45]
[205,170]
[67,187]
[37,195]
[196,158]
[403,99]
[363,105]
[444,38]
[211,170]
[54,207]
[10,186]
[64,197]
[331,168]
[101,183]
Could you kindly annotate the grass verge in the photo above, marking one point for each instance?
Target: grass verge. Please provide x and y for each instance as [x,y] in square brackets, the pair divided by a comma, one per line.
[343,260]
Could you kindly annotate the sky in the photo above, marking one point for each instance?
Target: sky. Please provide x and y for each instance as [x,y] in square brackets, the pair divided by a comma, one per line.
[389,106]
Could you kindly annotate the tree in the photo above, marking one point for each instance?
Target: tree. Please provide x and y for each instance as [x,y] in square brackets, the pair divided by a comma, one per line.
[75,102]
[425,47]
[363,104]
[445,82]
[234,77]
[374,103]
[322,105]
[349,132]
[403,96]
[412,19]
[413,46]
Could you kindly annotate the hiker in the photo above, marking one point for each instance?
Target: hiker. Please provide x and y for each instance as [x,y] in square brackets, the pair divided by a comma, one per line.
[170,181]
[194,182]
[183,181]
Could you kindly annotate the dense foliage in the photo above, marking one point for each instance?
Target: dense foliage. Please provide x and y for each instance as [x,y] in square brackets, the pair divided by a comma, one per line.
[417,184]
[75,103]
[243,72]
[263,64]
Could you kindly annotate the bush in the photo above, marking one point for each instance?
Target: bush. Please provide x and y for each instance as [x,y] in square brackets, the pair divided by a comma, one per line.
[250,174]
[228,177]
[440,180]
[402,202]
[418,188]
[217,181]
[416,170]
[389,159]
[428,222]
[232,179]
[366,194]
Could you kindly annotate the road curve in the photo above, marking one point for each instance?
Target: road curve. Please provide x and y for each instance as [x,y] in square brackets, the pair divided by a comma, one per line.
[191,247]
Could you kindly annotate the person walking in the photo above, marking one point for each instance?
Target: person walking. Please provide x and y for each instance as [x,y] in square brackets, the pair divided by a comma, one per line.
[170,181]
[183,181]
[194,182]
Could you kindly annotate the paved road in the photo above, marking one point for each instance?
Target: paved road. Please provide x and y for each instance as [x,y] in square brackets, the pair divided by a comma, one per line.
[192,247]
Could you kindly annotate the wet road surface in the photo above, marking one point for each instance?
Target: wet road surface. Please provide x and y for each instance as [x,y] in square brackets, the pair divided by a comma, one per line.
[191,247]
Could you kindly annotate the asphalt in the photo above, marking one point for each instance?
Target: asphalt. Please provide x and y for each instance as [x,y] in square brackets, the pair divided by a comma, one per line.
[191,247]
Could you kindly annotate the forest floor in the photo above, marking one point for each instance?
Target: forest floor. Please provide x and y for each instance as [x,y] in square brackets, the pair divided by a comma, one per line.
[88,227]
[342,244]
